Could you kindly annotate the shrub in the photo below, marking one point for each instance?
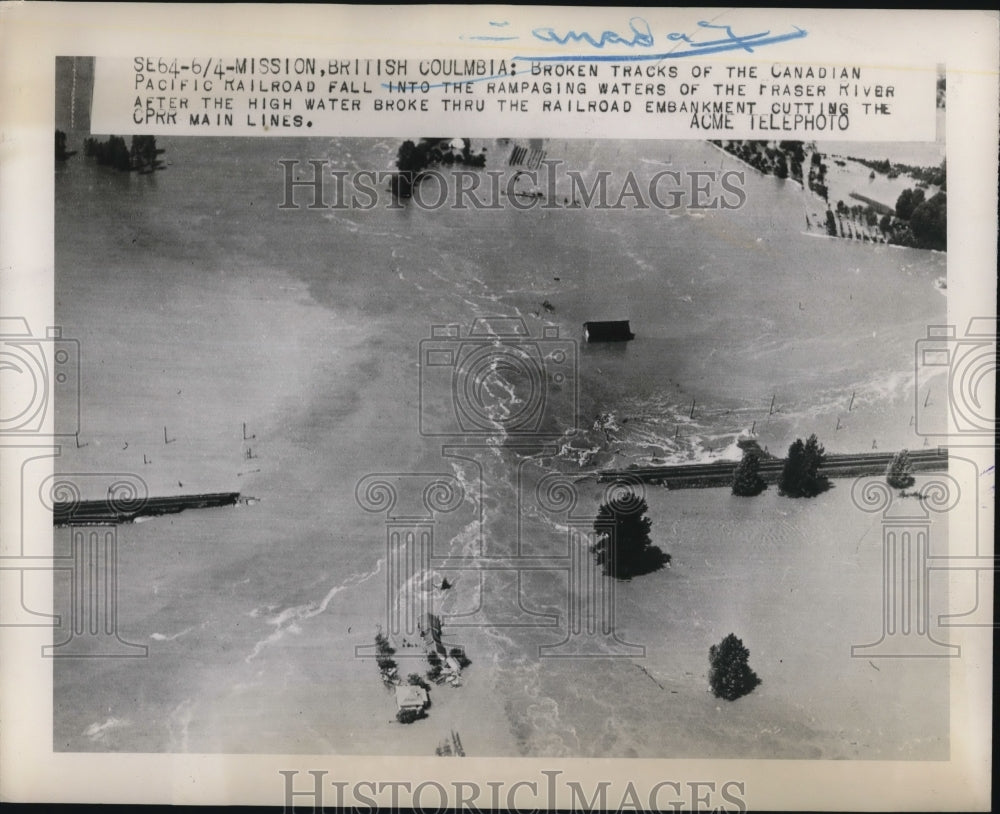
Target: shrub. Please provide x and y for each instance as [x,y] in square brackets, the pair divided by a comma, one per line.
[408,716]
[417,680]
[831,224]
[747,481]
[384,652]
[899,472]
[730,676]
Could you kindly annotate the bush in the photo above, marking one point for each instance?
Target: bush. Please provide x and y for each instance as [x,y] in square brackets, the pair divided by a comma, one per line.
[112,152]
[408,716]
[899,472]
[831,224]
[417,680]
[384,652]
[747,481]
[929,223]
[459,655]
[730,676]
[800,475]
[623,546]
[908,200]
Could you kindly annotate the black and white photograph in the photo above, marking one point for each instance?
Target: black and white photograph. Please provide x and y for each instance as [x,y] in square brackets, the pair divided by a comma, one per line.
[546,445]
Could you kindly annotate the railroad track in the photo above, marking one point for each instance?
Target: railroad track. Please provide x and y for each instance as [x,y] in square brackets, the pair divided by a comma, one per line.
[721,473]
[112,512]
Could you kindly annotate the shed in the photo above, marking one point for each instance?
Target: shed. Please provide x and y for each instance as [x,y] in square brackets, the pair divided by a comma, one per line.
[410,696]
[608,331]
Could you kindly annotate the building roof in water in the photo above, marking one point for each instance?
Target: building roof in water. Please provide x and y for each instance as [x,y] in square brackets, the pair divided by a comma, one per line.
[608,331]
[410,696]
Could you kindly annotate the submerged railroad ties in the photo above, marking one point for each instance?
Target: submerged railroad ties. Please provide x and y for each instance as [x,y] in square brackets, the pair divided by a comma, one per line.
[110,511]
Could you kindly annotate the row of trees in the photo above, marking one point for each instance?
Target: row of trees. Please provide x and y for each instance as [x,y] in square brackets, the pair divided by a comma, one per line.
[782,159]
[624,547]
[925,176]
[800,476]
[817,176]
[918,221]
[140,154]
[414,158]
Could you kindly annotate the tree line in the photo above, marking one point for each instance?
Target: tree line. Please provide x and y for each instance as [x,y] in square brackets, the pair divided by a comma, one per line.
[415,158]
[113,152]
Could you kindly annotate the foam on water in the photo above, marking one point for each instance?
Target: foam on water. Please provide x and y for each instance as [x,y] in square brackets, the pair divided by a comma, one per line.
[287,620]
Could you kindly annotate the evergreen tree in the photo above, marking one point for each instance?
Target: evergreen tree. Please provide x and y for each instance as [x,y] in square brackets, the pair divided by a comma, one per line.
[908,200]
[831,224]
[800,475]
[747,481]
[61,153]
[730,676]
[899,472]
[624,546]
[929,223]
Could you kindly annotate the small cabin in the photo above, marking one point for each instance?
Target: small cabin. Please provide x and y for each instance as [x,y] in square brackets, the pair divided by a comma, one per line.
[608,331]
[410,696]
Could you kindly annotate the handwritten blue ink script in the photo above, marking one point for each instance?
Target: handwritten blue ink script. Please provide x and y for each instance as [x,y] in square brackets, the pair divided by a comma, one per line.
[639,43]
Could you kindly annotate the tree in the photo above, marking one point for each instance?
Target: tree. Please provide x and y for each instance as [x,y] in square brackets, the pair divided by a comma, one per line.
[908,200]
[800,475]
[623,544]
[384,652]
[409,715]
[831,224]
[61,152]
[730,676]
[899,472]
[417,680]
[747,481]
[437,666]
[929,222]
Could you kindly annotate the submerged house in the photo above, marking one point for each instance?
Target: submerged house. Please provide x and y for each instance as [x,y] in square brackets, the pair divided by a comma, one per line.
[608,331]
[410,696]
